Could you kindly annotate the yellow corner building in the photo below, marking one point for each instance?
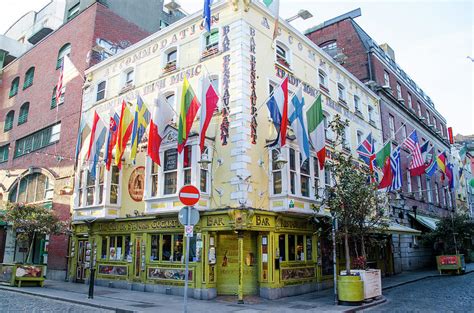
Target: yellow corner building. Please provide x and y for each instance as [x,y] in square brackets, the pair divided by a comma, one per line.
[261,229]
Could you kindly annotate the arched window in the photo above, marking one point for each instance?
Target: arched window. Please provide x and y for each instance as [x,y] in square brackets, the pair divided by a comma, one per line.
[33,187]
[30,74]
[9,121]
[23,117]
[14,86]
[64,51]
[282,55]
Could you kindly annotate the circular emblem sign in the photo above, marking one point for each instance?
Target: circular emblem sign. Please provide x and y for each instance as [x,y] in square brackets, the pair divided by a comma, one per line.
[189,195]
[136,184]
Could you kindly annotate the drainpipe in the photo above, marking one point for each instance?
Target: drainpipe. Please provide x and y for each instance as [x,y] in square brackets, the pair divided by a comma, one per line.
[369,62]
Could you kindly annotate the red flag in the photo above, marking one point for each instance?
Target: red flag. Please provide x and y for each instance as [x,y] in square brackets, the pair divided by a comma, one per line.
[387,175]
[162,116]
[450,134]
[207,110]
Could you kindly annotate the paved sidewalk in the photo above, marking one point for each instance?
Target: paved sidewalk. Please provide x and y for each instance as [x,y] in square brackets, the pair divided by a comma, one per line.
[121,300]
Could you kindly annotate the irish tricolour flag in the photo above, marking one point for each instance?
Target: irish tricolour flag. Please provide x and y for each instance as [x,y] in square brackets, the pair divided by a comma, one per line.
[315,120]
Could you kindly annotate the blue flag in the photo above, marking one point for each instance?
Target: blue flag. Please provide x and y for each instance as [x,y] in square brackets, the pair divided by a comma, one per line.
[396,166]
[297,121]
[206,15]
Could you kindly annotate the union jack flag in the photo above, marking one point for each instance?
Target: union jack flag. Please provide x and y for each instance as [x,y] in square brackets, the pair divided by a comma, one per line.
[366,151]
[412,144]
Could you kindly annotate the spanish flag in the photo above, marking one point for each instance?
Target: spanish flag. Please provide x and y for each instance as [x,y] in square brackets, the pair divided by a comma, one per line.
[124,133]
[189,108]
[441,162]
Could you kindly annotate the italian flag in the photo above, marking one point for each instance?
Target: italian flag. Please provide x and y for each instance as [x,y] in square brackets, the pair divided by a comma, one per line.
[124,133]
[189,108]
[315,120]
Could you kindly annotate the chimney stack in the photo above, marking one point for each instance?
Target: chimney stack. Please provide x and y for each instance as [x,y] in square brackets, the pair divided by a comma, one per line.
[388,50]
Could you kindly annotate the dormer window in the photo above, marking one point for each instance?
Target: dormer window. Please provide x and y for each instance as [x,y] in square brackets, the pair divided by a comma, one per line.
[282,55]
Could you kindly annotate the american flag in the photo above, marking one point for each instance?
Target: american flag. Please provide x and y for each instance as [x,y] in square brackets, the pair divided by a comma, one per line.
[412,144]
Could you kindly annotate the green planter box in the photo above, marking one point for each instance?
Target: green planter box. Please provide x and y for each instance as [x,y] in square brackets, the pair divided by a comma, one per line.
[350,289]
[22,274]
[451,263]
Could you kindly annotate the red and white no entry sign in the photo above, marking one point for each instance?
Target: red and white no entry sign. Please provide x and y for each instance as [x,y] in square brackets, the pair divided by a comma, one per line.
[189,195]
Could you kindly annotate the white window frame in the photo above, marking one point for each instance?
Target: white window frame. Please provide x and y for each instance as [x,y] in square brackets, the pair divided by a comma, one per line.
[104,90]
[391,125]
[356,103]
[370,111]
[436,189]
[359,137]
[204,36]
[82,177]
[410,103]
[323,78]
[428,191]
[166,53]
[288,56]
[341,92]
[125,81]
[399,91]
[386,78]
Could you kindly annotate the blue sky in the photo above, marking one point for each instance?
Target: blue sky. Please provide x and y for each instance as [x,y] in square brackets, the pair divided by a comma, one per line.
[431,39]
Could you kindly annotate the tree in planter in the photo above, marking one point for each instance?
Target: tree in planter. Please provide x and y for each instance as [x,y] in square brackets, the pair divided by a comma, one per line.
[30,221]
[451,234]
[355,202]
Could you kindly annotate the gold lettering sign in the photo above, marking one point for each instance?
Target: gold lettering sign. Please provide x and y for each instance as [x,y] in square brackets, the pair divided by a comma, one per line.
[215,221]
[139,225]
[291,223]
[262,221]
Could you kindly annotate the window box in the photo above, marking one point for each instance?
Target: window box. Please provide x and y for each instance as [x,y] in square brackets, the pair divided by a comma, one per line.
[343,103]
[210,51]
[359,114]
[281,61]
[126,88]
[324,88]
[169,67]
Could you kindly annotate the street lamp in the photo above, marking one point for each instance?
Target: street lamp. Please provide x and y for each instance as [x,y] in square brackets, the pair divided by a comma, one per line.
[304,14]
[89,223]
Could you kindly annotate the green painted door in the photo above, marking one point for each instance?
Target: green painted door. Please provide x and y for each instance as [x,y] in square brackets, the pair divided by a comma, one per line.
[228,264]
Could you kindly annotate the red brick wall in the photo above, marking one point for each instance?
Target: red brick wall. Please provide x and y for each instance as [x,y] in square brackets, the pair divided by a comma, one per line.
[81,32]
[347,40]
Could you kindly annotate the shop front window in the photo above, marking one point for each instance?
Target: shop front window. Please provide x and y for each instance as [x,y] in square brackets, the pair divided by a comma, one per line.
[295,247]
[166,244]
[282,247]
[116,248]
[291,248]
[178,248]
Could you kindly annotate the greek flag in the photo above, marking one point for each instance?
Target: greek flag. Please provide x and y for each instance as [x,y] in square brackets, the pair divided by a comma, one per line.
[396,166]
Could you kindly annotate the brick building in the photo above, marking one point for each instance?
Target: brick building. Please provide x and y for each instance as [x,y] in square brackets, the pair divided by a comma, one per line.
[38,135]
[404,107]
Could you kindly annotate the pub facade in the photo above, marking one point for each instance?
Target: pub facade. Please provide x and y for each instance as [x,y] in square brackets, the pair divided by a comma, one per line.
[262,229]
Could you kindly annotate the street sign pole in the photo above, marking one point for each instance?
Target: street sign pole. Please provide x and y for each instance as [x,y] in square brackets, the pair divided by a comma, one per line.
[186,271]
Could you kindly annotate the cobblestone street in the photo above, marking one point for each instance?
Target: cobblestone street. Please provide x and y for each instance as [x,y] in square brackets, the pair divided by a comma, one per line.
[12,302]
[435,294]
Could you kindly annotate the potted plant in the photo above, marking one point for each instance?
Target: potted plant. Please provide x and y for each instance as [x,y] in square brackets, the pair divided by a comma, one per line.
[30,222]
[356,205]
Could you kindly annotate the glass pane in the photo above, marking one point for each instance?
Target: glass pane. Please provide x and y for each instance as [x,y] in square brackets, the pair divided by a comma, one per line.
[114,194]
[292,182]
[104,248]
[31,188]
[90,196]
[171,160]
[187,177]
[80,197]
[22,191]
[172,56]
[155,250]
[291,248]
[166,248]
[305,186]
[12,194]
[304,166]
[115,175]
[300,248]
[154,185]
[178,248]
[309,248]
[203,181]
[277,182]
[281,247]
[127,251]
[192,249]
[187,157]
[292,160]
[112,250]
[275,154]
[170,183]
[119,248]
[41,187]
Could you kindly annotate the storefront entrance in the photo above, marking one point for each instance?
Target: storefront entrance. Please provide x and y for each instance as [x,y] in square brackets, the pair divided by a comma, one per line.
[228,263]
[81,261]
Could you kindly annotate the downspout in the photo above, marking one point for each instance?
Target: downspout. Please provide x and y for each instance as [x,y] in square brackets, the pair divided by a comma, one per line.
[369,62]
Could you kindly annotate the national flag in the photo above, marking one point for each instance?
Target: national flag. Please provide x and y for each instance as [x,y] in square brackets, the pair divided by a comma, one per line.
[274,7]
[208,107]
[278,107]
[424,149]
[124,133]
[67,73]
[82,126]
[396,166]
[383,154]
[316,131]
[366,151]
[140,124]
[297,120]
[441,162]
[450,135]
[96,142]
[111,138]
[432,165]
[387,174]
[450,175]
[206,15]
[189,108]
[162,115]
[417,163]
[463,154]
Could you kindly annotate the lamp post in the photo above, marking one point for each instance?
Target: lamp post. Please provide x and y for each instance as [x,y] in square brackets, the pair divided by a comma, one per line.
[91,261]
[304,14]
[334,258]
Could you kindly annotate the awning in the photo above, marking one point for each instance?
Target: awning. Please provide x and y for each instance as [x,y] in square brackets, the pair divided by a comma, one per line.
[395,228]
[426,221]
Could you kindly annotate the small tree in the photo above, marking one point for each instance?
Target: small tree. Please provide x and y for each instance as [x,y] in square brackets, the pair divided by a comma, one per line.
[352,198]
[30,221]
[451,234]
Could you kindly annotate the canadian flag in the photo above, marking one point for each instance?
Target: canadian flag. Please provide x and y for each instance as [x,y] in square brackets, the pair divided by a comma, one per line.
[162,116]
